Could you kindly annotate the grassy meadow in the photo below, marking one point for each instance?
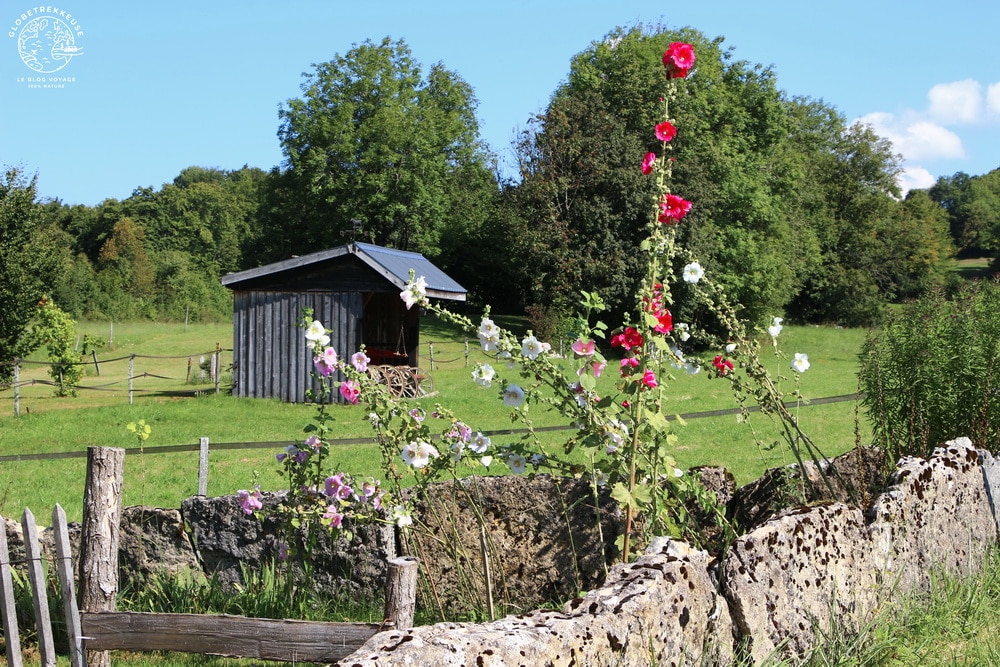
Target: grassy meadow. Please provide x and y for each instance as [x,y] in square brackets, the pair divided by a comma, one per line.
[166,366]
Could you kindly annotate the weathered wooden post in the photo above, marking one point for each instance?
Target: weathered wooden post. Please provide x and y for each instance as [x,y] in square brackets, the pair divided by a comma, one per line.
[203,466]
[131,376]
[99,536]
[64,568]
[17,387]
[7,610]
[401,591]
[39,591]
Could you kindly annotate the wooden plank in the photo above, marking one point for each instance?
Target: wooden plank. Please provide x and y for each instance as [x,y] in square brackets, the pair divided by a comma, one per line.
[39,592]
[64,568]
[225,635]
[8,613]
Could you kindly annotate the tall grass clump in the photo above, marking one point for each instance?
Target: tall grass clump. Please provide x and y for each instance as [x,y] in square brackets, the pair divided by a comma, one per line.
[930,374]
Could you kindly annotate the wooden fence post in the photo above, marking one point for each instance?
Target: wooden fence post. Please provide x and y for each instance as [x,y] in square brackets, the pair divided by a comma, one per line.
[64,568]
[17,387]
[131,376]
[430,353]
[203,467]
[39,591]
[401,591]
[7,610]
[102,511]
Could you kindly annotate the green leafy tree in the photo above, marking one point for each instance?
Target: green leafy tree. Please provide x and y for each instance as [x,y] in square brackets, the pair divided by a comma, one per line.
[29,262]
[375,139]
[582,189]
[973,207]
[56,330]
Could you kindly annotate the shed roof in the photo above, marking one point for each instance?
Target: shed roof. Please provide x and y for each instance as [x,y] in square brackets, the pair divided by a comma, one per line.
[393,265]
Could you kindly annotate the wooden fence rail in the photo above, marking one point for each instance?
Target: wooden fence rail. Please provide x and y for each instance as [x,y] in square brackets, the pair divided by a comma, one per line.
[93,632]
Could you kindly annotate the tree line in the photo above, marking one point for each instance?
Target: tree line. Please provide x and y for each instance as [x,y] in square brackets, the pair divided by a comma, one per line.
[796,211]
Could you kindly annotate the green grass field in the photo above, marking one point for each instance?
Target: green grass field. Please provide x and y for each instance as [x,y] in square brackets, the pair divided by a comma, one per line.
[48,424]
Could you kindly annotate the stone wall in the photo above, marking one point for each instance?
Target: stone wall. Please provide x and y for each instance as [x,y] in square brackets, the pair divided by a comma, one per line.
[781,584]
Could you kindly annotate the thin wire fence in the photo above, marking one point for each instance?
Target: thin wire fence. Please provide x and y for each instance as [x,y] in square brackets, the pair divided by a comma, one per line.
[207,371]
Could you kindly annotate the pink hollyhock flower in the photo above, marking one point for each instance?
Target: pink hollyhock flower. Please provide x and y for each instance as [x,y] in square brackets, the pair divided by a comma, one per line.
[649,378]
[360,361]
[250,500]
[598,367]
[673,209]
[336,487]
[665,131]
[314,441]
[333,517]
[678,59]
[627,365]
[323,368]
[647,163]
[351,391]
[583,348]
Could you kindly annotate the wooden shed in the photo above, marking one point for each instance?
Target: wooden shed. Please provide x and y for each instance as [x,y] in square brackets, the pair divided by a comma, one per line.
[353,290]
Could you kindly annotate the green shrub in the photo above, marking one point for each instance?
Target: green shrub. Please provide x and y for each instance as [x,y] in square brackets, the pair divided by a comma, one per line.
[930,374]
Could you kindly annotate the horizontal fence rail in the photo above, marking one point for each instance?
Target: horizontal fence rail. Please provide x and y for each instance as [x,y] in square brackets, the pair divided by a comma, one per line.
[203,444]
[94,628]
[226,635]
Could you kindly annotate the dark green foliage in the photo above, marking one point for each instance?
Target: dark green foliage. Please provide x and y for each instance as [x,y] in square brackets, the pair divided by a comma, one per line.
[29,263]
[932,372]
[375,138]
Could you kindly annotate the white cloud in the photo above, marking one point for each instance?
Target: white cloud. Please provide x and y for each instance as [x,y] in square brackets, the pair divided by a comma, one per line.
[915,178]
[993,99]
[915,139]
[956,102]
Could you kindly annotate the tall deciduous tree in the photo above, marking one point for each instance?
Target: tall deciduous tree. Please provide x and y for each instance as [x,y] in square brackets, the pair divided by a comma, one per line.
[582,187]
[375,139]
[28,265]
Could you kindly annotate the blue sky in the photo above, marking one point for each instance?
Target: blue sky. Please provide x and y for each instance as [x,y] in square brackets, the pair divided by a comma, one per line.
[157,86]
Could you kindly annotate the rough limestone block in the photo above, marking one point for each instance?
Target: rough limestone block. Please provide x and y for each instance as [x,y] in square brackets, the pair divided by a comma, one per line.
[662,609]
[936,516]
[791,576]
[991,477]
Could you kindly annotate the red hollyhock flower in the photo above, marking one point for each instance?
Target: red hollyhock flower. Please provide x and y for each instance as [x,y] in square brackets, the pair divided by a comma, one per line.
[647,163]
[649,378]
[627,339]
[673,209]
[722,364]
[665,131]
[678,59]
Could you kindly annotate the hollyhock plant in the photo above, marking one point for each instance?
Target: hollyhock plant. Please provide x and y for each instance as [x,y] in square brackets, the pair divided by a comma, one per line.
[583,348]
[360,361]
[673,209]
[250,501]
[775,327]
[722,364]
[513,396]
[415,292]
[627,339]
[531,347]
[665,131]
[351,391]
[647,163]
[693,272]
[483,375]
[800,364]
[678,59]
